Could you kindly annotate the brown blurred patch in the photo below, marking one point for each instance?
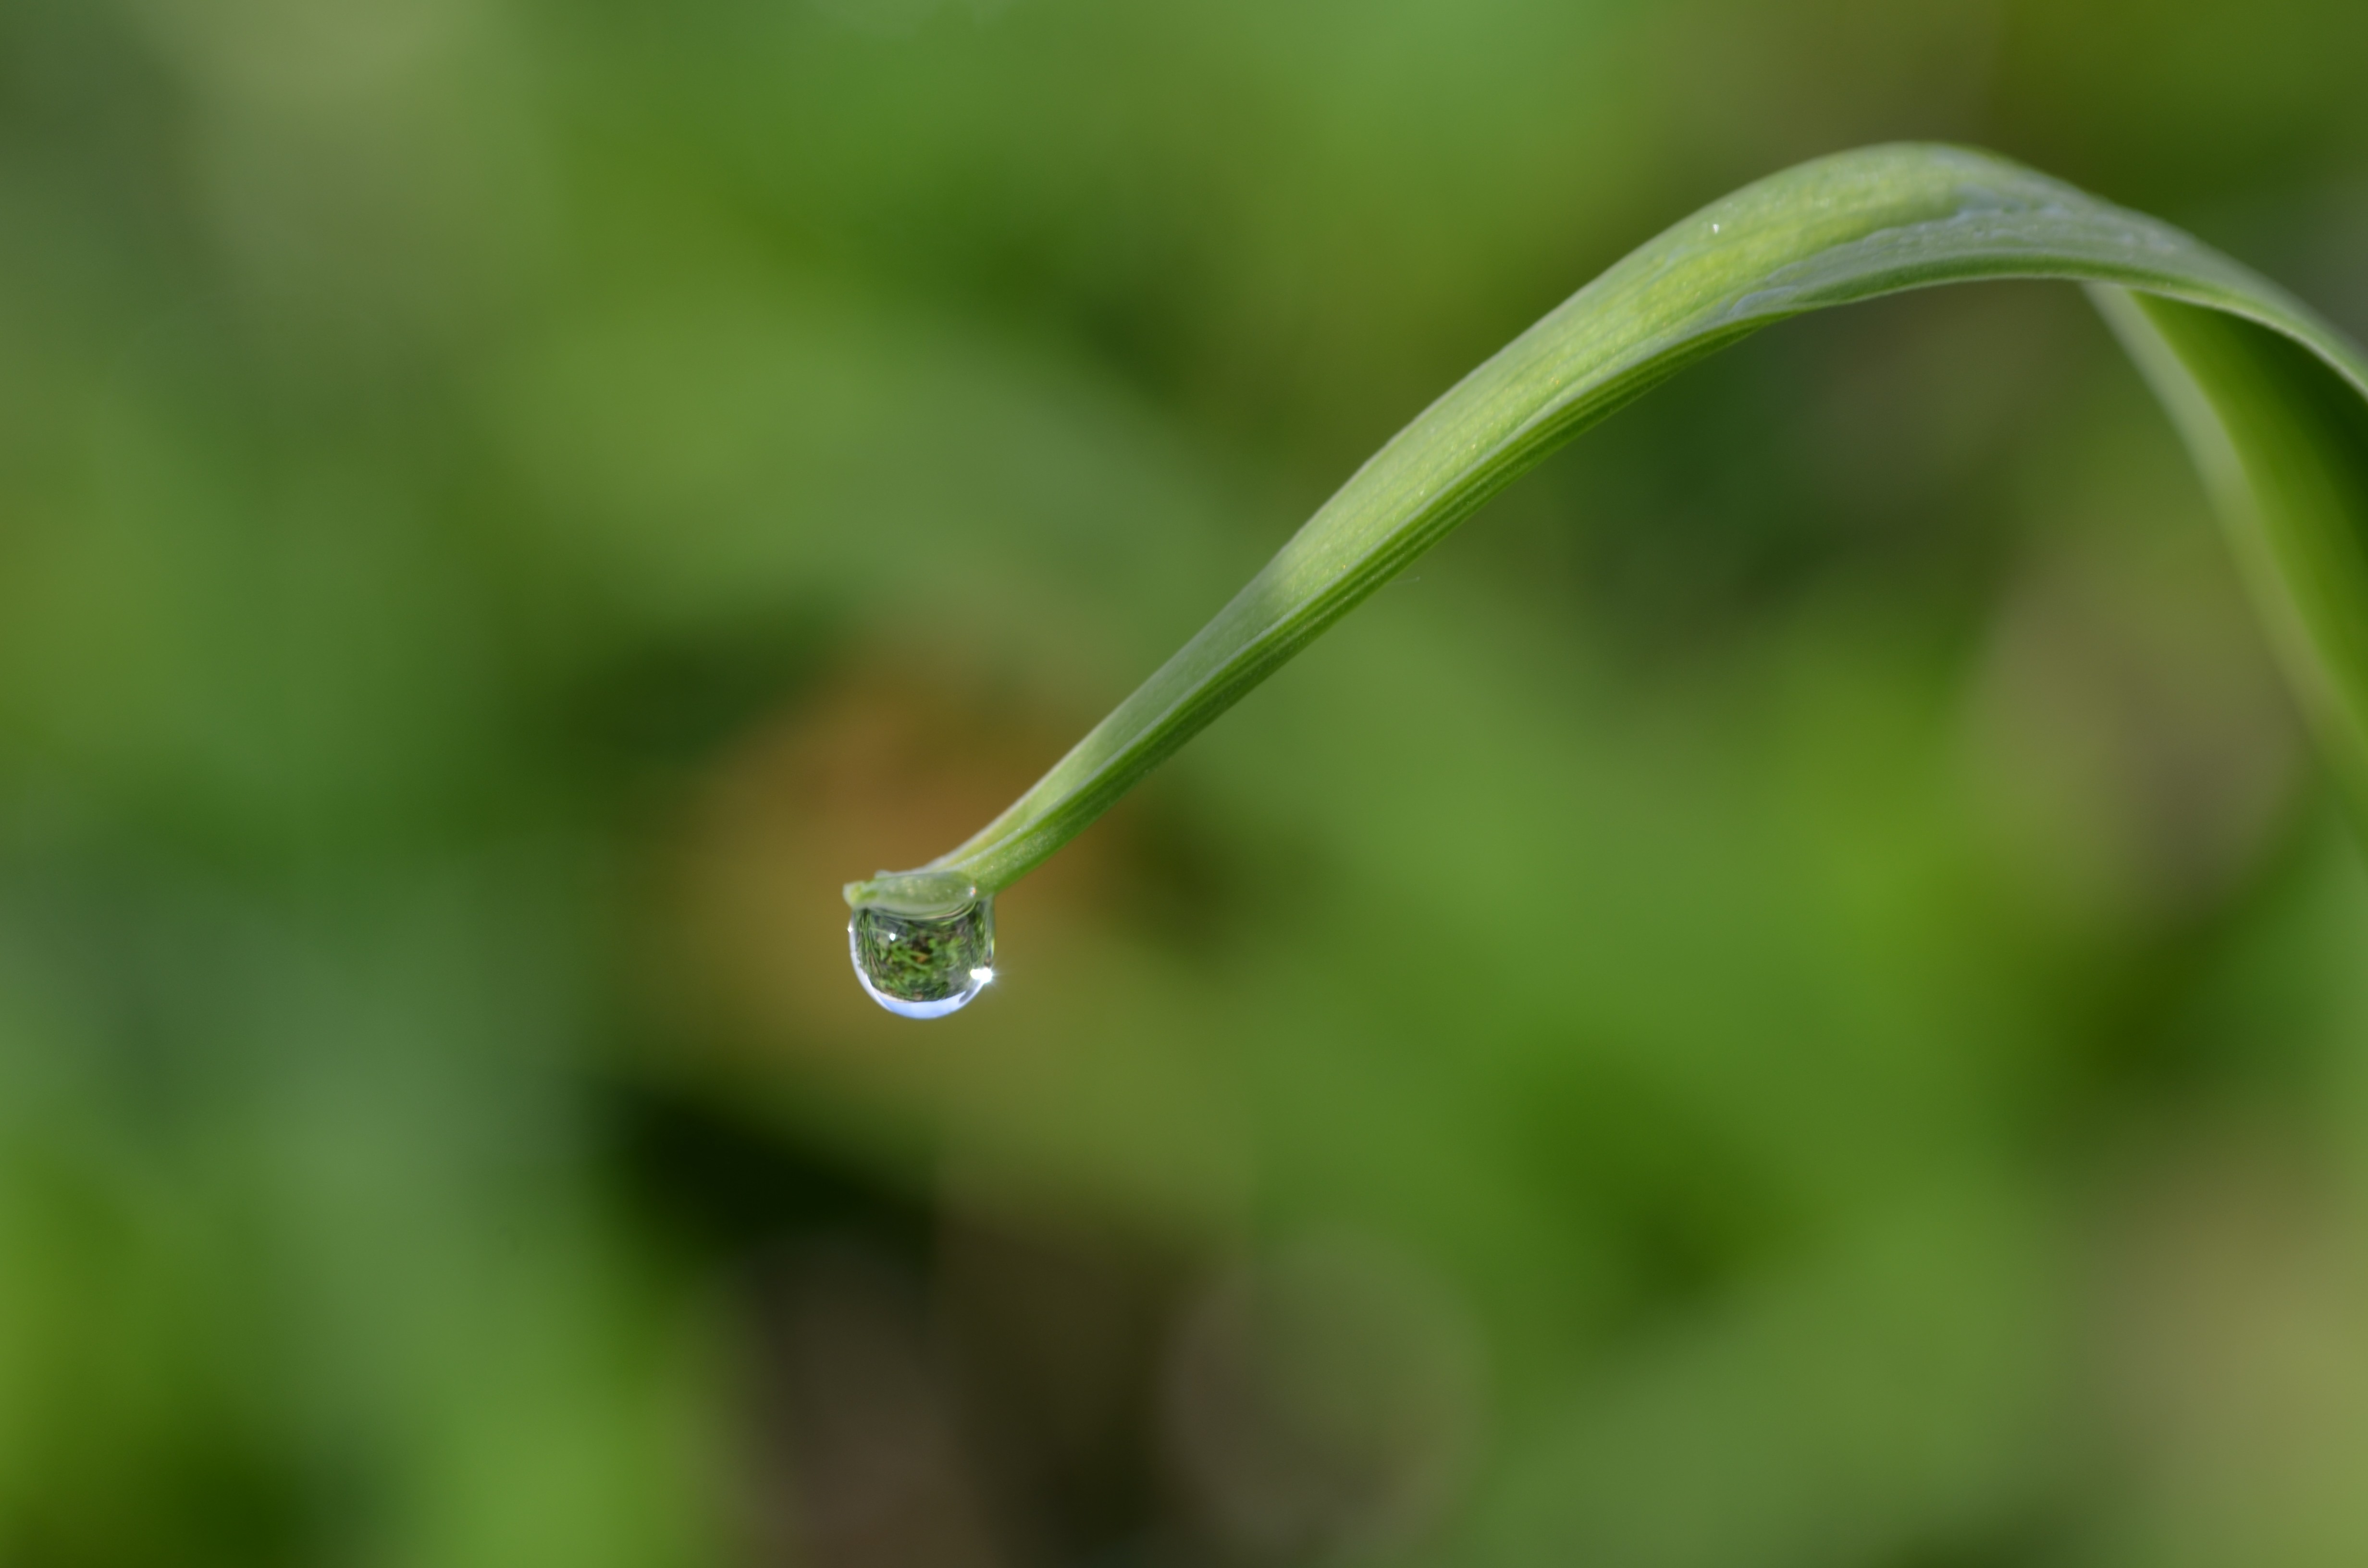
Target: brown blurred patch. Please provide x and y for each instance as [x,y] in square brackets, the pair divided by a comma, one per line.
[1323,1401]
[860,1456]
[1078,1078]
[1055,1334]
[988,1404]
[880,770]
[2233,1340]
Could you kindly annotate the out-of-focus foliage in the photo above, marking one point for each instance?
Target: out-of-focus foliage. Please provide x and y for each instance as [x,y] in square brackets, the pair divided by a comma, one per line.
[505,507]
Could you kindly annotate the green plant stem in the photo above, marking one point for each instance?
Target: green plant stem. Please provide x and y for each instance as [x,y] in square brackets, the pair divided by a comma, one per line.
[2272,402]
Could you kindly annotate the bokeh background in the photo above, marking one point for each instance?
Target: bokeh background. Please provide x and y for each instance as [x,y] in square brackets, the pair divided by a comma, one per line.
[505,505]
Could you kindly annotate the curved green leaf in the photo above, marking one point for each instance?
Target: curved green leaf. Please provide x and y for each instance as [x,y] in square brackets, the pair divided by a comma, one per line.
[2272,402]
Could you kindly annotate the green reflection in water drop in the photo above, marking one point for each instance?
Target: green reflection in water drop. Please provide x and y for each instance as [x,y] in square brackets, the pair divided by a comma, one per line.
[922,951]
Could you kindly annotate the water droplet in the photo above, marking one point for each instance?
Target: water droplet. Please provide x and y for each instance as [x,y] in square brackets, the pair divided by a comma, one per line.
[923,943]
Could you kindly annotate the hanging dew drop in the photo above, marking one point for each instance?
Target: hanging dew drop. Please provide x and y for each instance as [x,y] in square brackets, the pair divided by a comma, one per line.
[923,943]
[921,965]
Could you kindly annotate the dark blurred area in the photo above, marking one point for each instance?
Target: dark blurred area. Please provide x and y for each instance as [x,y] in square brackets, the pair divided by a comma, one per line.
[505,506]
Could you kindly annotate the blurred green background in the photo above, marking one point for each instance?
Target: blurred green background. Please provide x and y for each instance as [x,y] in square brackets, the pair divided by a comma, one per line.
[505,506]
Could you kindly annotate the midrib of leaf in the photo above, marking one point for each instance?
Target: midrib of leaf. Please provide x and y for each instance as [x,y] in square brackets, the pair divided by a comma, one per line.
[2272,399]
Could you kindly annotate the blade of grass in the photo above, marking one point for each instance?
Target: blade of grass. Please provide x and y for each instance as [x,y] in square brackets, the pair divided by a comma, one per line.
[2283,444]
[2272,402]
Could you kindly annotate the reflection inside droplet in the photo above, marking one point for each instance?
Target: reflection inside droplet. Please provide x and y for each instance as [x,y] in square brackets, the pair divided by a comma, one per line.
[923,964]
